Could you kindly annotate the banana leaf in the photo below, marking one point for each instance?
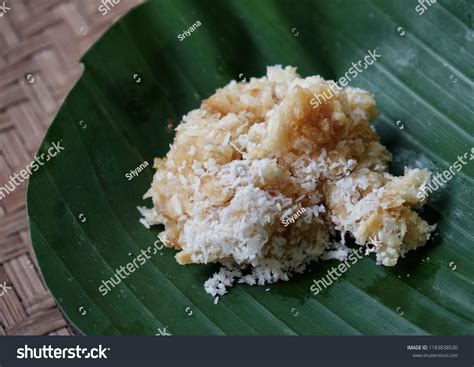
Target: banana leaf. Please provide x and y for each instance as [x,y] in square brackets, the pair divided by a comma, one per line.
[141,77]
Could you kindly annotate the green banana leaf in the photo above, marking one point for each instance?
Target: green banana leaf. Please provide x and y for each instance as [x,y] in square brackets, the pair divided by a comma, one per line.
[139,78]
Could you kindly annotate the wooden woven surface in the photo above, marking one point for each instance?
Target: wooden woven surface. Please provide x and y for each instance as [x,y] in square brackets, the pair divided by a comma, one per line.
[41,42]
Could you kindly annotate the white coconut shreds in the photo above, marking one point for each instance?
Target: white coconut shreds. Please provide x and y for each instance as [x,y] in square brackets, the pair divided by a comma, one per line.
[261,178]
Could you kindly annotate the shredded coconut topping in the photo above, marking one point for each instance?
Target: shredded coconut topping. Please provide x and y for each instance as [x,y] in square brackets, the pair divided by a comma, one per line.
[258,153]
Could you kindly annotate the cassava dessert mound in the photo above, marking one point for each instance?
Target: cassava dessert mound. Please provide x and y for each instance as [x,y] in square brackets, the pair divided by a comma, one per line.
[261,179]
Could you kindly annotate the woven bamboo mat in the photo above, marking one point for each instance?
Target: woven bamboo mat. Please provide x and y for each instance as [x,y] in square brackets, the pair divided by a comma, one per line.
[41,42]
